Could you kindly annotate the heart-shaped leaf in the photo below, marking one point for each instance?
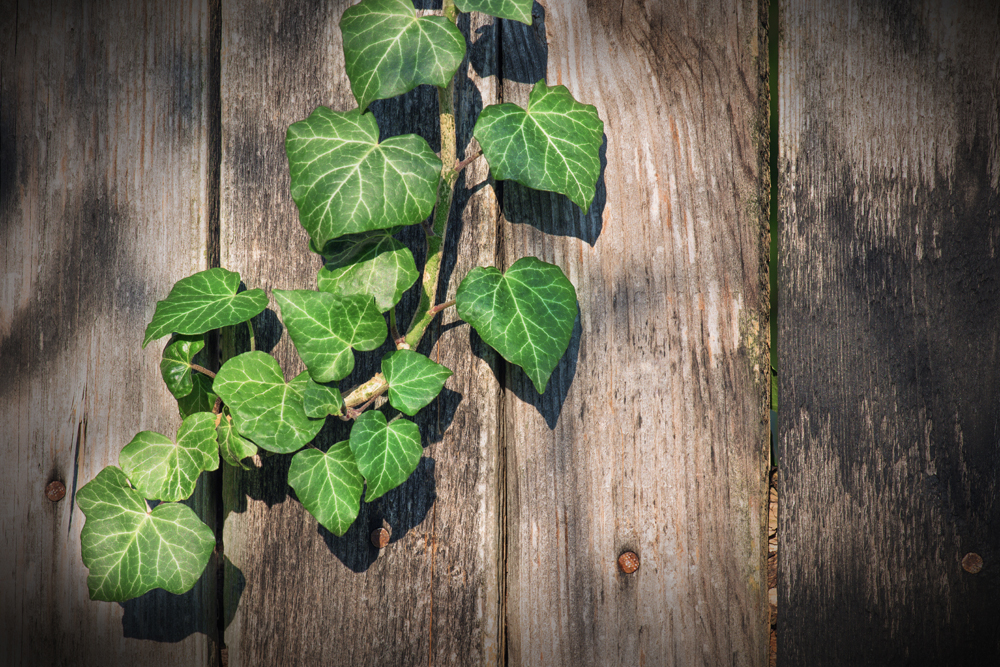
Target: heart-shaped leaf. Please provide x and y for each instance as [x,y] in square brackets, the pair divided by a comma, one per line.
[232,446]
[372,263]
[345,182]
[264,407]
[386,453]
[321,400]
[325,327]
[163,470]
[328,485]
[201,398]
[202,302]
[175,364]
[527,314]
[414,380]
[389,50]
[518,10]
[552,145]
[130,550]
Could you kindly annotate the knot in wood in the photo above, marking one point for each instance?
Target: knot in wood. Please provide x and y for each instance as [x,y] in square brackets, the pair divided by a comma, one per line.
[628,562]
[55,491]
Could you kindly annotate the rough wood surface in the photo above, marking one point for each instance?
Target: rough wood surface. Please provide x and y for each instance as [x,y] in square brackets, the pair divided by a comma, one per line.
[105,174]
[652,435]
[890,333]
[296,594]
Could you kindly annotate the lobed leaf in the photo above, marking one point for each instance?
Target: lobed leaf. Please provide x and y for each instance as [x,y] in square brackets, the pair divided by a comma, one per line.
[130,550]
[371,263]
[161,469]
[175,364]
[202,302]
[325,328]
[232,446]
[321,400]
[518,10]
[201,398]
[389,50]
[344,181]
[527,314]
[414,380]
[386,453]
[552,145]
[264,407]
[329,485]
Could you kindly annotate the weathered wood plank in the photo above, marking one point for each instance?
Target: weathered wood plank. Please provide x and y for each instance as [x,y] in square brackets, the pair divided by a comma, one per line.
[105,176]
[652,436]
[890,332]
[295,593]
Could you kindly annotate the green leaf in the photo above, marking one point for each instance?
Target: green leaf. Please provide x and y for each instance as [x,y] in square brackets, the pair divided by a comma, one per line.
[202,302]
[372,263]
[201,398]
[345,182]
[175,364]
[328,485]
[552,145]
[386,453]
[325,327]
[414,380]
[389,50]
[527,314]
[321,400]
[130,550]
[232,446]
[163,470]
[518,10]
[264,407]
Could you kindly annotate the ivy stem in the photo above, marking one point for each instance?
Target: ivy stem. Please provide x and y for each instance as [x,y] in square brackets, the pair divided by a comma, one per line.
[441,306]
[253,339]
[202,369]
[459,166]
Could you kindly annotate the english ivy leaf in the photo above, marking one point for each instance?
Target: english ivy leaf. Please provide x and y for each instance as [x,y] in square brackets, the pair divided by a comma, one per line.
[325,327]
[201,398]
[372,263]
[264,407]
[163,470]
[321,400]
[175,364]
[527,314]
[414,380]
[345,182]
[386,453]
[202,302]
[389,50]
[552,145]
[328,485]
[232,446]
[518,10]
[130,550]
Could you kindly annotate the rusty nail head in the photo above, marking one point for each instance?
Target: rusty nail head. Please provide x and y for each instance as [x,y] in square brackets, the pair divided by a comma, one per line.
[55,491]
[972,563]
[628,562]
[380,538]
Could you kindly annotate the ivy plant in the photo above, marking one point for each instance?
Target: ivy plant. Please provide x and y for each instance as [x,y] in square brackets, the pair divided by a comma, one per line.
[354,193]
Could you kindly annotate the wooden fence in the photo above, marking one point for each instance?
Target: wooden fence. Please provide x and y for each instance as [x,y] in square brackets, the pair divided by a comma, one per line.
[143,141]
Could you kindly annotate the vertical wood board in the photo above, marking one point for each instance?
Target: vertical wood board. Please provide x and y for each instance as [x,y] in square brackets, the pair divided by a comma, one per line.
[105,201]
[295,593]
[890,332]
[652,434]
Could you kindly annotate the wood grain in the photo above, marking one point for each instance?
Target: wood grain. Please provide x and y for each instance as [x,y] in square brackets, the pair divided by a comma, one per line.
[105,191]
[296,594]
[652,435]
[890,332]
